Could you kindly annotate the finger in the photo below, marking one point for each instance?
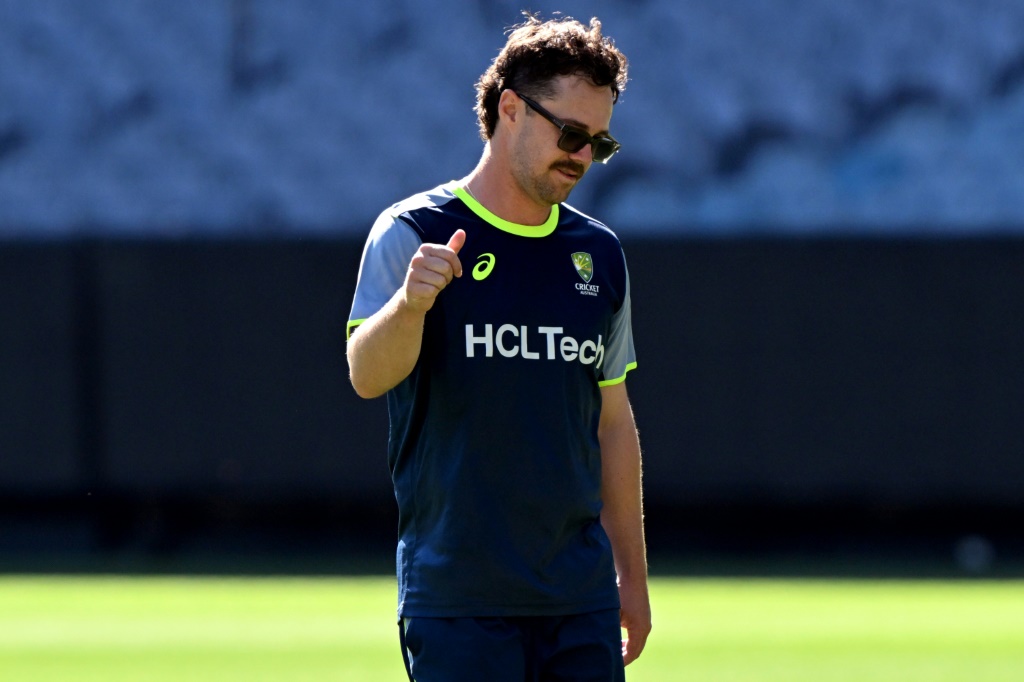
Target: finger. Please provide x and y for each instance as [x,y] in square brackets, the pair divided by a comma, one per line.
[457,240]
[438,259]
[637,632]
[422,287]
[430,278]
[632,647]
[455,244]
[442,259]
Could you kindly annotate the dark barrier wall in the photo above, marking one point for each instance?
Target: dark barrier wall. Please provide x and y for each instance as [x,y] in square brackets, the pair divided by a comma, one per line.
[821,372]
[39,358]
[222,367]
[831,372]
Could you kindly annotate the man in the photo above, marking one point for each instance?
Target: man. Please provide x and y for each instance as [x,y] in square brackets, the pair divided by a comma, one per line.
[497,321]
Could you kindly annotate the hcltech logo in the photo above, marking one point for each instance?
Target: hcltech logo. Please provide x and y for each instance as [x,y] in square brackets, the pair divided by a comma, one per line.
[584,265]
[547,343]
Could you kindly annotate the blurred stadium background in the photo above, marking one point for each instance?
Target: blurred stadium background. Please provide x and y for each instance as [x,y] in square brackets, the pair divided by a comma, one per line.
[822,203]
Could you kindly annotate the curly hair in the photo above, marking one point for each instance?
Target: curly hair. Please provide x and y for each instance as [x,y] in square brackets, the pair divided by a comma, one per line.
[538,52]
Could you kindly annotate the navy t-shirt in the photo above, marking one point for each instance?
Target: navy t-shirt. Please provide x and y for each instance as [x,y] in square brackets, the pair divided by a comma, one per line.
[493,446]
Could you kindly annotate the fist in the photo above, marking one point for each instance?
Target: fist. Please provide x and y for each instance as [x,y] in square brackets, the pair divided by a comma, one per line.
[431,270]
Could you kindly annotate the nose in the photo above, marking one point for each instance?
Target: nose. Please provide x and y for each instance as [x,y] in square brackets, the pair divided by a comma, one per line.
[584,155]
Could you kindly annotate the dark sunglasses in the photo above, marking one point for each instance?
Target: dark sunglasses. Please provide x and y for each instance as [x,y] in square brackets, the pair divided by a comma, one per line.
[574,138]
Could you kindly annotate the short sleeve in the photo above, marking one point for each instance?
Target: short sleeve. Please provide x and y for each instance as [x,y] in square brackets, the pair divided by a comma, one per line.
[620,355]
[389,248]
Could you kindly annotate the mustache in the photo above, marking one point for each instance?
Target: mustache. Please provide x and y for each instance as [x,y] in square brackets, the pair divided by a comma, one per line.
[574,168]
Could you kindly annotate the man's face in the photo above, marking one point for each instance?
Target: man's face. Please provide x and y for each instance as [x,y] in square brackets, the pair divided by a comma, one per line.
[546,173]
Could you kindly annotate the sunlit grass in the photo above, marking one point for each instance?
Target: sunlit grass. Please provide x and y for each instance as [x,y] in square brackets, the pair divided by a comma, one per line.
[198,629]
[835,630]
[119,629]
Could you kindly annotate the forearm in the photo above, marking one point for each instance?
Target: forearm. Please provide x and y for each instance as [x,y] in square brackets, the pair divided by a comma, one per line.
[622,513]
[383,350]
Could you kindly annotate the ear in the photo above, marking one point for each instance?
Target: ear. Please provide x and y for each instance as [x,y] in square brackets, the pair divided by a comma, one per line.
[508,107]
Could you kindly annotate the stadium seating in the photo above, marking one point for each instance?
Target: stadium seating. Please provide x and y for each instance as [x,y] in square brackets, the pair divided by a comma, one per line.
[254,117]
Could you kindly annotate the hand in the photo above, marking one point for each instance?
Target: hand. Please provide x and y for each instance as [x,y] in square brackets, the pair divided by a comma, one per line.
[431,270]
[635,618]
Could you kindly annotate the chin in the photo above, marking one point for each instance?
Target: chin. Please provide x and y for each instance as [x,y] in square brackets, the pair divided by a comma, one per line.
[554,194]
[553,198]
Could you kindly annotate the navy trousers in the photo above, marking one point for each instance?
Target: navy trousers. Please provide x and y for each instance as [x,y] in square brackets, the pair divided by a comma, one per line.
[579,648]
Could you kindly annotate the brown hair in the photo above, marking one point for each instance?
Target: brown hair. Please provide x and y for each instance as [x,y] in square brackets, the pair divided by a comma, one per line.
[538,52]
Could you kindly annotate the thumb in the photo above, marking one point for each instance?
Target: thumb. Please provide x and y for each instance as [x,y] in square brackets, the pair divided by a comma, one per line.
[457,240]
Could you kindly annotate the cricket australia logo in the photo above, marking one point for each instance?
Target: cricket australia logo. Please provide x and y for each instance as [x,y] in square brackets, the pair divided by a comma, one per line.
[584,265]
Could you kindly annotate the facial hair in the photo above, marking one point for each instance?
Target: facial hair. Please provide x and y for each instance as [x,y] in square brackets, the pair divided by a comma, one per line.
[556,192]
[544,186]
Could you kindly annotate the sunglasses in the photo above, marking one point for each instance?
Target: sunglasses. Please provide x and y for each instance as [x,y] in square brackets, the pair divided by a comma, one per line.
[574,138]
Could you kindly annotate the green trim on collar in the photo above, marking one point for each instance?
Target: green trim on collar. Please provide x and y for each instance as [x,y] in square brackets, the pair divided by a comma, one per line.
[521,230]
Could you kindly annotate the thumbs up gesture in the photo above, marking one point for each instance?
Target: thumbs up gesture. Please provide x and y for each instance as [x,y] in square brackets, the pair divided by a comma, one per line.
[431,270]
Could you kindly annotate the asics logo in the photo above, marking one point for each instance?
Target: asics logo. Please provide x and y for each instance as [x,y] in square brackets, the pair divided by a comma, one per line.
[484,266]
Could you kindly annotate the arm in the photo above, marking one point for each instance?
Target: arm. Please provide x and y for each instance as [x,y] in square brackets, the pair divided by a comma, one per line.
[622,515]
[383,350]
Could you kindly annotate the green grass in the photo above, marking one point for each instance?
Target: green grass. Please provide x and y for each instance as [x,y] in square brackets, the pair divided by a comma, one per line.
[829,631]
[281,629]
[141,629]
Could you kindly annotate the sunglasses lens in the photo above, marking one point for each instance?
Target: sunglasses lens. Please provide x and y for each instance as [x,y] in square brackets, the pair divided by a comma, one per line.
[604,149]
[573,140]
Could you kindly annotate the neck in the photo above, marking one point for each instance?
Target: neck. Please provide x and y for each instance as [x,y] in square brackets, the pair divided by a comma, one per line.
[492,184]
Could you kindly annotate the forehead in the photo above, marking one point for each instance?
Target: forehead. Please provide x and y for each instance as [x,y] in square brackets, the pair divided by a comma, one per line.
[576,100]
